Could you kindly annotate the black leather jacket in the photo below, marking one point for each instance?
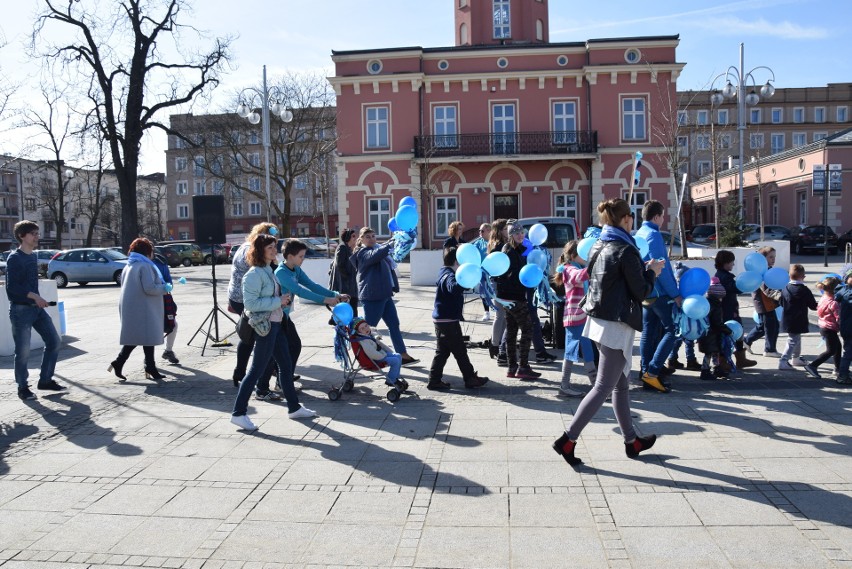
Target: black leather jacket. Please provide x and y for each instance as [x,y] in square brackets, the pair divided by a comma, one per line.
[508,286]
[618,283]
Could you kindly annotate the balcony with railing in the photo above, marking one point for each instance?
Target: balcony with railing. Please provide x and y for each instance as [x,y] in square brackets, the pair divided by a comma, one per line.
[9,211]
[506,144]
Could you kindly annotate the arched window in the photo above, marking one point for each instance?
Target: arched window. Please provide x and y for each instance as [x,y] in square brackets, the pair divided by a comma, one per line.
[463,34]
[539,30]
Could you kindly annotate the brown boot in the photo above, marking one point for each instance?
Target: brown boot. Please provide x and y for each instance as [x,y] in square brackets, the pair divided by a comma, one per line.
[742,361]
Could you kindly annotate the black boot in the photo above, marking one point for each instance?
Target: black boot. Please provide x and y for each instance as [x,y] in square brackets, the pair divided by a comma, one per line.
[151,371]
[118,363]
[565,448]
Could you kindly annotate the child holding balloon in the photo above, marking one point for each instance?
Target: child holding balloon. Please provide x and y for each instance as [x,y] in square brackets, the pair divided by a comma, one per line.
[712,342]
[724,264]
[796,299]
[766,300]
[574,276]
[828,311]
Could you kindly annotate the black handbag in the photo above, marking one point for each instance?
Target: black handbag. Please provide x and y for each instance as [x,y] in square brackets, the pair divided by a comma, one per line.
[244,329]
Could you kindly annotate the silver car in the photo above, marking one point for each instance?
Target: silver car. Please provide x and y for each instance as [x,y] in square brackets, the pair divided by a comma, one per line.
[86,265]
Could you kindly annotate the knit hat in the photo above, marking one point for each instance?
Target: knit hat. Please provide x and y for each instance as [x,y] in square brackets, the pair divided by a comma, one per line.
[357,321]
[716,289]
[516,228]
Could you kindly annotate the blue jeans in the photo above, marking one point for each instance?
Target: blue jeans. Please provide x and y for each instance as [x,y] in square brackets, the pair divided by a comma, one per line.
[273,345]
[689,348]
[768,326]
[25,318]
[375,310]
[656,323]
[394,362]
[846,359]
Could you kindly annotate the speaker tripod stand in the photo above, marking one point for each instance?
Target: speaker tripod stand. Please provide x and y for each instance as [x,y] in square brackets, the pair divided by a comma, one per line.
[212,318]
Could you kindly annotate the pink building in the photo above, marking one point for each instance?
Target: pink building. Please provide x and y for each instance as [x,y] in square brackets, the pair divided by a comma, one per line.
[503,124]
[785,180]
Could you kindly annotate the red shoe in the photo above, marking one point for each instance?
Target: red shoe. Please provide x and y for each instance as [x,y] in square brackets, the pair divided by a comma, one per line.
[638,445]
[526,372]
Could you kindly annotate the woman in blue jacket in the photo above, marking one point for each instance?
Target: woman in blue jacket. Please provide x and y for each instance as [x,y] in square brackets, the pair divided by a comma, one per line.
[377,283]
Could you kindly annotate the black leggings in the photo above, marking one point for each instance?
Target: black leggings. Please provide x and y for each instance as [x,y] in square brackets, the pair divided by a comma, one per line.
[832,348]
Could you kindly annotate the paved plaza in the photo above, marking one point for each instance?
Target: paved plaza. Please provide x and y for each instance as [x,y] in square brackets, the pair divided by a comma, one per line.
[755,472]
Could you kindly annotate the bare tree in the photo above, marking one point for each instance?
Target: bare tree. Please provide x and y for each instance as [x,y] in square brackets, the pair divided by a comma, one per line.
[92,194]
[228,148]
[152,195]
[121,45]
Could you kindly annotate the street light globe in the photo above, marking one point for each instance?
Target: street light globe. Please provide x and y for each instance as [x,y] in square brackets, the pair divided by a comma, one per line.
[254,118]
[286,115]
[275,108]
[243,111]
[69,173]
[752,99]
[716,98]
[767,90]
[729,90]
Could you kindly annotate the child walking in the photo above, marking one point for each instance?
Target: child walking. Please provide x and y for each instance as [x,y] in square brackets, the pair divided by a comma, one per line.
[711,343]
[843,296]
[376,350]
[828,312]
[724,263]
[765,302]
[796,299]
[574,276]
[447,314]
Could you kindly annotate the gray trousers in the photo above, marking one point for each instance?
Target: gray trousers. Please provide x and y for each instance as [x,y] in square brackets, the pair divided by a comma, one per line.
[610,379]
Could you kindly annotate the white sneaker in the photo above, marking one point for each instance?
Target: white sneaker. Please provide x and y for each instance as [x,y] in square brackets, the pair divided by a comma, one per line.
[798,362]
[302,413]
[243,422]
[486,316]
[569,392]
[772,354]
[784,364]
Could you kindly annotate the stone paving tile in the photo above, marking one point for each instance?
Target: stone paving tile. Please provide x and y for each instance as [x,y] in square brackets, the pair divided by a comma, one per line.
[372,545]
[207,503]
[11,489]
[675,548]
[464,510]
[370,509]
[448,547]
[735,509]
[537,547]
[177,468]
[262,541]
[768,547]
[172,537]
[90,532]
[550,511]
[652,510]
[20,526]
[51,496]
[293,506]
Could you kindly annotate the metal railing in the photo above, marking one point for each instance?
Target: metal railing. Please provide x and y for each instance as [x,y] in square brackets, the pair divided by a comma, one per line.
[505,144]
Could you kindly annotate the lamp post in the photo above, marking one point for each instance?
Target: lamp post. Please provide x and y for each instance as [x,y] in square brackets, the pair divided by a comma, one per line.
[246,112]
[737,83]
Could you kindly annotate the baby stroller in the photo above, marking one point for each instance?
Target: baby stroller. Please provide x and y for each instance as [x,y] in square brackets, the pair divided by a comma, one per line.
[353,359]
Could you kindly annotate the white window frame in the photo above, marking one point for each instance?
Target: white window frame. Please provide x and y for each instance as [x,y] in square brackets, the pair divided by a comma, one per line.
[776,115]
[218,187]
[378,218]
[255,208]
[198,167]
[568,207]
[182,211]
[639,199]
[446,212]
[504,127]
[724,141]
[819,114]
[254,184]
[199,188]
[502,19]
[772,146]
[637,118]
[755,116]
[301,182]
[802,207]
[377,127]
[302,205]
[798,115]
[703,168]
[181,188]
[254,159]
[756,140]
[236,209]
[180,164]
[722,116]
[183,234]
[702,117]
[799,139]
[445,125]
[682,118]
[683,145]
[253,137]
[819,136]
[842,114]
[702,142]
[564,121]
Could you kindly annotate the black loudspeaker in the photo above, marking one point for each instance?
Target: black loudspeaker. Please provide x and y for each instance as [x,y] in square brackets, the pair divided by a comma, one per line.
[209,219]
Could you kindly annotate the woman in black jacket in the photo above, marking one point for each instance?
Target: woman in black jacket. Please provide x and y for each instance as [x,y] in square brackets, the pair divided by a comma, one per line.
[342,276]
[618,283]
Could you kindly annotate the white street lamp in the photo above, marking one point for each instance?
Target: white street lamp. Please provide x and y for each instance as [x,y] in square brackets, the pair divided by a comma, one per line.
[736,85]
[281,111]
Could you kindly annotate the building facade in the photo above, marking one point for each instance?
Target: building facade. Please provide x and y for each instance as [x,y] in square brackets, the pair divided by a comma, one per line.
[224,155]
[504,124]
[781,186]
[792,118]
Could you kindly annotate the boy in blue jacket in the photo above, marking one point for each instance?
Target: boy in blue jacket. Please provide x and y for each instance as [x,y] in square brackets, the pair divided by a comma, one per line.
[657,321]
[447,314]
[843,296]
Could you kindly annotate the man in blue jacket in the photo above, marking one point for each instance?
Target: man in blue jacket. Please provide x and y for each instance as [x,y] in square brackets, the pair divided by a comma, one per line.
[657,321]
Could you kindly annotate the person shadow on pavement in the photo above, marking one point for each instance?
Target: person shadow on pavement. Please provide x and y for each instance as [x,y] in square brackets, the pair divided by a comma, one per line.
[11,434]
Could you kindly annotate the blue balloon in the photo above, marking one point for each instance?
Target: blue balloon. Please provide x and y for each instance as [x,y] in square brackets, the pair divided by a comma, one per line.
[531,276]
[182,280]
[695,306]
[735,327]
[748,281]
[779,312]
[406,217]
[776,278]
[756,263]
[342,313]
[642,243]
[392,225]
[538,234]
[585,247]
[537,257]
[408,200]
[496,263]
[468,275]
[467,253]
[695,281]
[528,247]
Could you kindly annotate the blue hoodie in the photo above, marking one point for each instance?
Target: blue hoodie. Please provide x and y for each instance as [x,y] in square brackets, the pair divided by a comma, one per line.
[665,285]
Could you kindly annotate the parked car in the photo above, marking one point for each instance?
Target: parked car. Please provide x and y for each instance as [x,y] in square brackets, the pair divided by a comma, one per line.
[703,234]
[667,239]
[844,239]
[320,243]
[169,256]
[751,233]
[560,230]
[805,238]
[218,252]
[188,253]
[86,265]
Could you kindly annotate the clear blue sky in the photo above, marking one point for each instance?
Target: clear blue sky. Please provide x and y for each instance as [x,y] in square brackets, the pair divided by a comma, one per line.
[805,42]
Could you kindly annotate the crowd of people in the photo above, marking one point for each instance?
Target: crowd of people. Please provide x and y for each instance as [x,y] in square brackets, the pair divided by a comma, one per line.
[609,298]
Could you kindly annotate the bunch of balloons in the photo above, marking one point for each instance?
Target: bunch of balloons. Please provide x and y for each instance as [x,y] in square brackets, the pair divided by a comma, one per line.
[538,259]
[585,245]
[694,284]
[758,271]
[472,265]
[736,329]
[406,217]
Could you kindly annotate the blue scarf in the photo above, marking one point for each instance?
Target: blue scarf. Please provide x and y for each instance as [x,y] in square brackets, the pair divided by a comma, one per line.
[134,258]
[612,233]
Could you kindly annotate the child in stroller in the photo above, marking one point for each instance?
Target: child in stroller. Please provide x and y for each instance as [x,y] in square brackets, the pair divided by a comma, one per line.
[373,354]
